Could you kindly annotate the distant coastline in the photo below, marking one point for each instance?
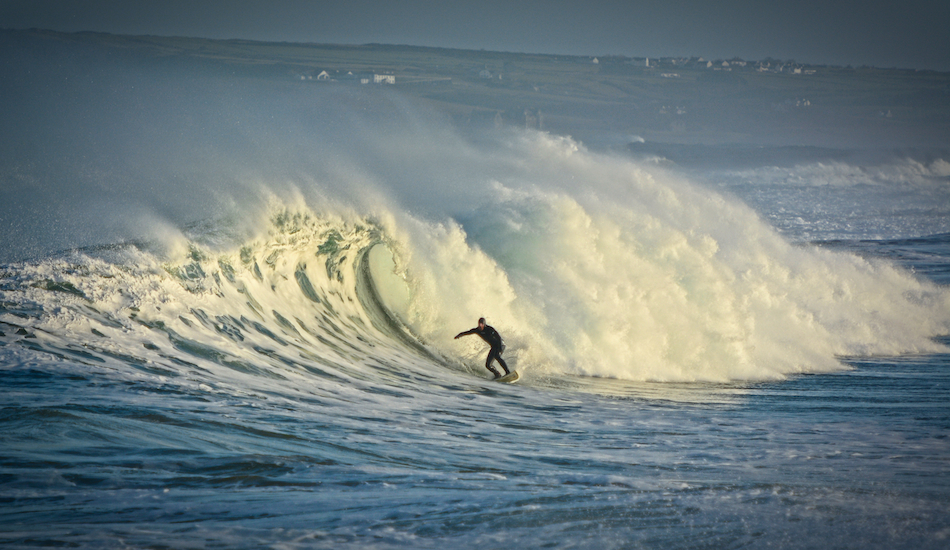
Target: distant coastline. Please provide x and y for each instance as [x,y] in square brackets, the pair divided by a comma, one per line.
[666,99]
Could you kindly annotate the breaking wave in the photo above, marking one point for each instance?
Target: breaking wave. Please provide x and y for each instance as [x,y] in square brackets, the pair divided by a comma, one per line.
[588,264]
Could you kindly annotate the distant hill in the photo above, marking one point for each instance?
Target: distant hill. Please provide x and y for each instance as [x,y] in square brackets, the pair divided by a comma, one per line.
[677,100]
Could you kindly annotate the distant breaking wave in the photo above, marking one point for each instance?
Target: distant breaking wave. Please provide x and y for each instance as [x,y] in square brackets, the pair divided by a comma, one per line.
[897,198]
[905,173]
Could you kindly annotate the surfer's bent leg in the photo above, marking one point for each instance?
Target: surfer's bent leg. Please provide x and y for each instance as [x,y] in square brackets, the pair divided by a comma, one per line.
[488,360]
[495,355]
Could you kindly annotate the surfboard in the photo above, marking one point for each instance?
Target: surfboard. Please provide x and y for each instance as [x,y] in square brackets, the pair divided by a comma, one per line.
[509,378]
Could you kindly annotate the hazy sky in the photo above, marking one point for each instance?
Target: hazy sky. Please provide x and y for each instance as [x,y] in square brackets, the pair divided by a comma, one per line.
[899,33]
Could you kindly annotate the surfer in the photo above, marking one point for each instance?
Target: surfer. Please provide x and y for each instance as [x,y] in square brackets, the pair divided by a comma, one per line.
[491,336]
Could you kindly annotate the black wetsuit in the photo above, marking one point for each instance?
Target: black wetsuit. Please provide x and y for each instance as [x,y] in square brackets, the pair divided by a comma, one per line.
[491,336]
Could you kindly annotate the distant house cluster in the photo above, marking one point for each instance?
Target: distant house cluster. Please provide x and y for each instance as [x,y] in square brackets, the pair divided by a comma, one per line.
[349,76]
[664,63]
[790,104]
[766,66]
[779,67]
[383,78]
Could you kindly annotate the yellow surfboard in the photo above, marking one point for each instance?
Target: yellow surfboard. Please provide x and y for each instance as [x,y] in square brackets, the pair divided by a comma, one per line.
[509,378]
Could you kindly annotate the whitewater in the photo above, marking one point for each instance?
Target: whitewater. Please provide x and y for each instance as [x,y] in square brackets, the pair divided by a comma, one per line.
[226,320]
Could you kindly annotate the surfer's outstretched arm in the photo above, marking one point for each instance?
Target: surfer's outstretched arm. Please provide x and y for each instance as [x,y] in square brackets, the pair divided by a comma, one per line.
[466,333]
[477,330]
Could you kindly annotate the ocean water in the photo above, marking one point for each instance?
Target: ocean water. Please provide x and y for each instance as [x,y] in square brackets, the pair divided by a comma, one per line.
[226,321]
